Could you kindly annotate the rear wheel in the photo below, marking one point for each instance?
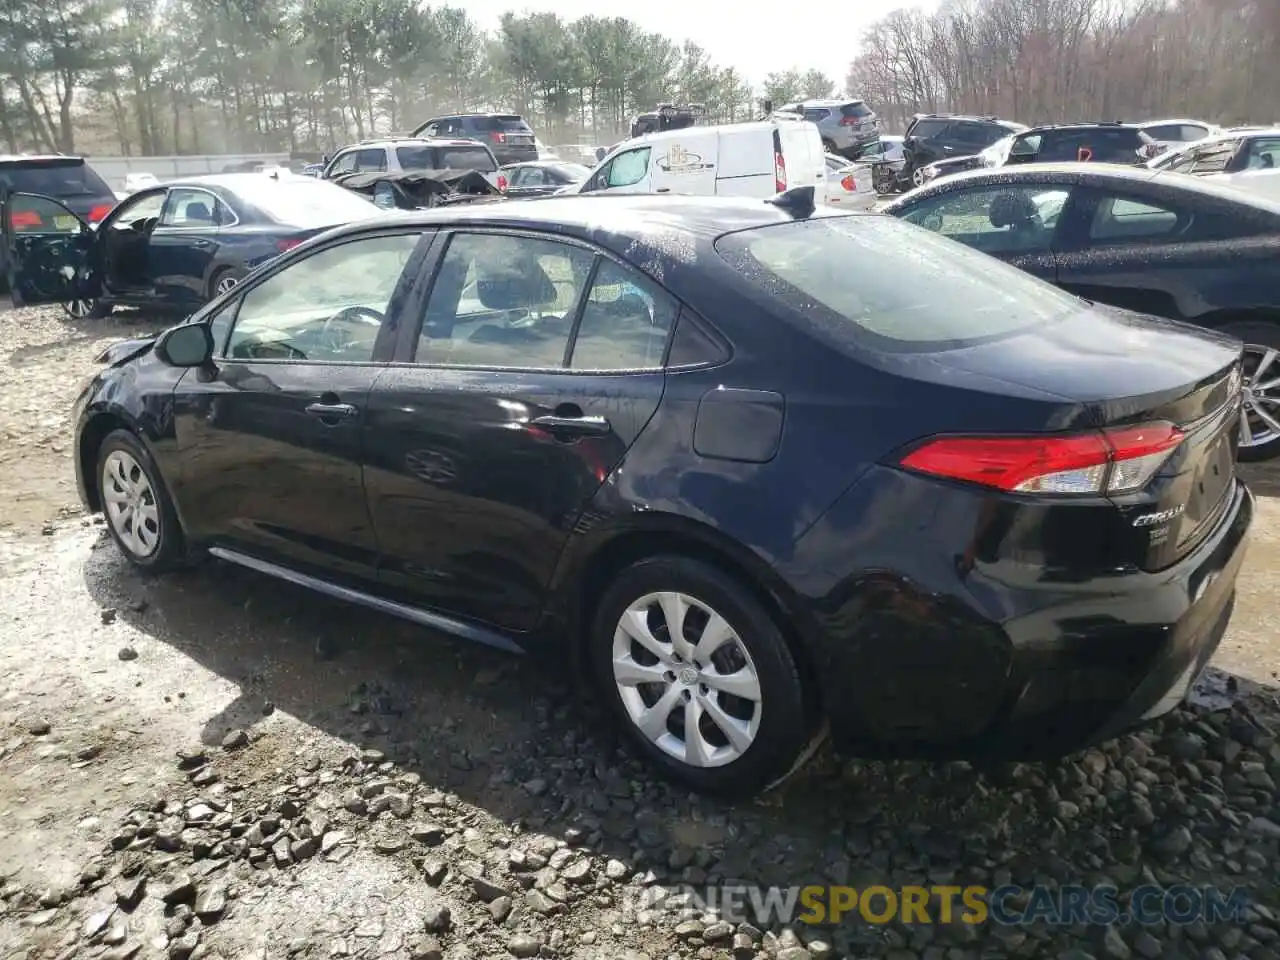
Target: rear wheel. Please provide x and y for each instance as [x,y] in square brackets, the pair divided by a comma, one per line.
[1260,416]
[88,309]
[140,516]
[917,176]
[699,677]
[224,280]
[829,146]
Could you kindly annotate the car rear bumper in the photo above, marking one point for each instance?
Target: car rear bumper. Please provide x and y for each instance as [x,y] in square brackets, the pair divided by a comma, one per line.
[1035,670]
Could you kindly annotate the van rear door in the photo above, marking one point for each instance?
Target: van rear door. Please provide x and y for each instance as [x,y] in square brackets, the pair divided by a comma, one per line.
[802,155]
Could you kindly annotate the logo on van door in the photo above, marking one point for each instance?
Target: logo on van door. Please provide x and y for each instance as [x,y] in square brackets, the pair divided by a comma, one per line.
[679,160]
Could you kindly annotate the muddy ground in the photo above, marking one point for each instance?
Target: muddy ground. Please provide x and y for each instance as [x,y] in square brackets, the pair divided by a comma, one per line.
[215,764]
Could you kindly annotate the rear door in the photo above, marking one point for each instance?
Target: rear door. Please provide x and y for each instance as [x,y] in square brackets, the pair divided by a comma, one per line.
[50,253]
[1150,253]
[184,244]
[804,157]
[271,443]
[1019,223]
[538,363]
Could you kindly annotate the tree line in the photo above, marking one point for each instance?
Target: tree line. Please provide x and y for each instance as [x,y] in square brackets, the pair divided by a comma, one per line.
[157,77]
[1040,61]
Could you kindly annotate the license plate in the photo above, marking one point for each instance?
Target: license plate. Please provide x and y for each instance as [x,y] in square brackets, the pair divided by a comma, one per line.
[66,224]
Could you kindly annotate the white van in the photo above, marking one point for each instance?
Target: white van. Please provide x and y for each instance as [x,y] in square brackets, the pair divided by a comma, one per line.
[757,159]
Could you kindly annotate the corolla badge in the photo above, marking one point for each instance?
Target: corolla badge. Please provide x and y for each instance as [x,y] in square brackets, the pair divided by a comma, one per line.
[1160,516]
[680,160]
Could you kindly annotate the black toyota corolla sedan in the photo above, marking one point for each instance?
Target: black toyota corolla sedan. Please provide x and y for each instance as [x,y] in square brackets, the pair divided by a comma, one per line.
[753,466]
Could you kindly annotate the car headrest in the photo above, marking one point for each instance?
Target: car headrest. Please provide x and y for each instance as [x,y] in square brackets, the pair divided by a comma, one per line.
[514,285]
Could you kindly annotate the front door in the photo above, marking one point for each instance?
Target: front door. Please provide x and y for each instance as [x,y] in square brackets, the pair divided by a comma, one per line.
[49,251]
[271,444]
[627,172]
[484,447]
[184,244]
[1017,223]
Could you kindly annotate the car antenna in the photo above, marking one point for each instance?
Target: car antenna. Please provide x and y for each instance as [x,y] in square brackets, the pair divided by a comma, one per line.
[800,202]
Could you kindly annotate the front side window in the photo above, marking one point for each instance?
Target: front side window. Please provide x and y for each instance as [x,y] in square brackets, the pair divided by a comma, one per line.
[1005,219]
[327,307]
[882,284]
[503,301]
[190,208]
[141,208]
[346,163]
[625,322]
[1264,154]
[629,168]
[928,129]
[36,214]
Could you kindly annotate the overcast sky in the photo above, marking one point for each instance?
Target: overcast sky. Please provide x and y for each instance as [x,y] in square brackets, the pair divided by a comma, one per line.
[756,38]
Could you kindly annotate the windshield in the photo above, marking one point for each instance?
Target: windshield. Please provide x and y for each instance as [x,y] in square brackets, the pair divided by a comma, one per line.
[306,203]
[53,178]
[892,286]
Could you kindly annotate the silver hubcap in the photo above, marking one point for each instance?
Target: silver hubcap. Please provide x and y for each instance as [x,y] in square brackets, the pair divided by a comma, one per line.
[79,308]
[1260,416]
[917,176]
[686,679]
[131,504]
[225,284]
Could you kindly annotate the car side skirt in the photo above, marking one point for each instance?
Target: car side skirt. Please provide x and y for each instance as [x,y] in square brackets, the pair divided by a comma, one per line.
[425,618]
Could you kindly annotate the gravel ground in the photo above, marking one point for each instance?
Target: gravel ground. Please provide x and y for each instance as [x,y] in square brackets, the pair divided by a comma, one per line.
[215,764]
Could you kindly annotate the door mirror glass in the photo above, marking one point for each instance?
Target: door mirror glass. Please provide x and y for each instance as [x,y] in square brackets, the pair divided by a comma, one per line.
[190,345]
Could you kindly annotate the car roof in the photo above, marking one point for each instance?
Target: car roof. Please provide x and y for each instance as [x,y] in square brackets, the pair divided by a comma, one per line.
[231,181]
[428,141]
[464,116]
[1104,173]
[1161,123]
[37,157]
[1086,125]
[627,218]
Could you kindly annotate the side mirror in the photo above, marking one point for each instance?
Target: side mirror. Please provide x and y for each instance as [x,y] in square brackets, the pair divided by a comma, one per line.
[189,345]
[325,159]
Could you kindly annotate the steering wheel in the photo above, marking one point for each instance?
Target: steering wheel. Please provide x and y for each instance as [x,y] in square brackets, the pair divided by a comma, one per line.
[337,339]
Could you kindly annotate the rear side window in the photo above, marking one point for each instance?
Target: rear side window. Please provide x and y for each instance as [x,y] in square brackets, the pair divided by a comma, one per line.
[816,114]
[512,124]
[856,109]
[466,158]
[884,284]
[55,178]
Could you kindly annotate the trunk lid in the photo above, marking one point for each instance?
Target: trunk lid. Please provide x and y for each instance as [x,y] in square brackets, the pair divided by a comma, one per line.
[1127,369]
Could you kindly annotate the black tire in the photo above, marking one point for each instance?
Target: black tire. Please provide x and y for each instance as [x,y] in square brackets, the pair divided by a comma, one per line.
[232,274]
[785,727]
[169,551]
[97,310]
[830,147]
[1258,335]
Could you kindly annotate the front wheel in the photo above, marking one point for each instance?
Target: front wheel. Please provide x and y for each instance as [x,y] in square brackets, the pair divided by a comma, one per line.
[1260,413]
[699,678]
[140,516]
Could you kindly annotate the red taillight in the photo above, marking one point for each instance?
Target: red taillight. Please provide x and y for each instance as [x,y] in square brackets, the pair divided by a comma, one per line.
[24,219]
[288,243]
[1107,461]
[779,173]
[502,183]
[498,137]
[849,121]
[99,213]
[849,183]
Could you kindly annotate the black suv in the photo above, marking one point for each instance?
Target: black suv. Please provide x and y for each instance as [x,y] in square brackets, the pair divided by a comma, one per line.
[1107,142]
[506,134]
[931,137]
[69,180]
